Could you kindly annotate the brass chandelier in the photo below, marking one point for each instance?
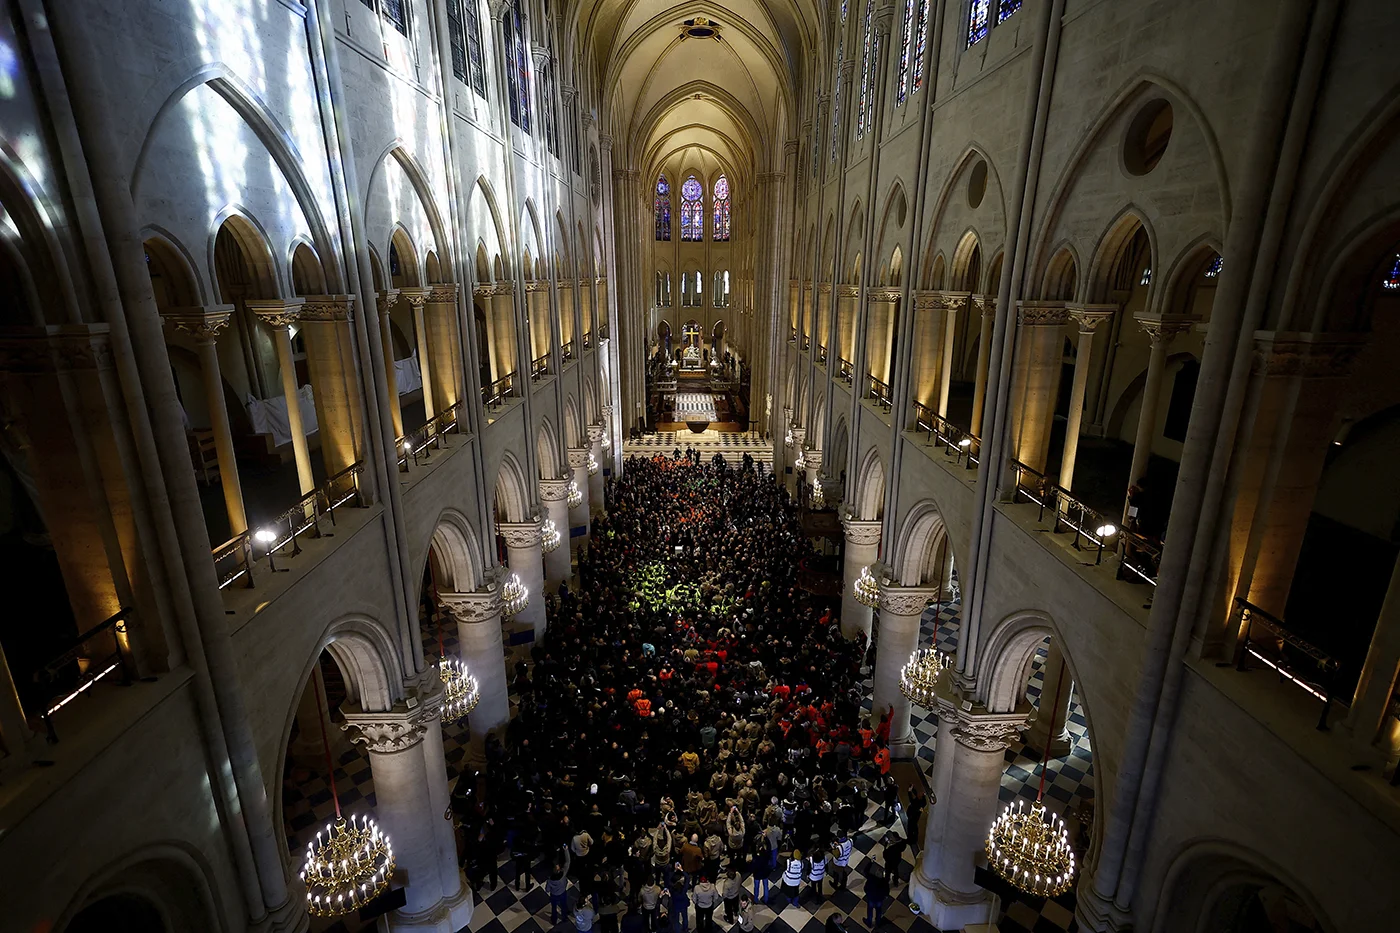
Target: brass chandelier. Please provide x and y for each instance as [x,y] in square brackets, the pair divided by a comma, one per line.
[592,466]
[575,494]
[549,536]
[918,678]
[349,863]
[460,690]
[867,590]
[1030,848]
[514,596]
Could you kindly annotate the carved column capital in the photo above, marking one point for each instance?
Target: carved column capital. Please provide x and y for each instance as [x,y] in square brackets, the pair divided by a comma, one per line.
[55,348]
[862,532]
[444,293]
[987,732]
[521,534]
[799,434]
[885,295]
[277,313]
[1161,331]
[415,295]
[1307,355]
[905,600]
[1041,314]
[554,490]
[481,606]
[1089,317]
[328,308]
[386,733]
[200,322]
[577,457]
[386,299]
[594,432]
[497,9]
[813,458]
[985,305]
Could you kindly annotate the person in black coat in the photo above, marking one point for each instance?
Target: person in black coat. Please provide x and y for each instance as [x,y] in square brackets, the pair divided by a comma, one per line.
[877,890]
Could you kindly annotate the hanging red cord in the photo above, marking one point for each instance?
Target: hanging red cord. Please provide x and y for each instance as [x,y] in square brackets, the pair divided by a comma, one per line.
[317,685]
[1054,711]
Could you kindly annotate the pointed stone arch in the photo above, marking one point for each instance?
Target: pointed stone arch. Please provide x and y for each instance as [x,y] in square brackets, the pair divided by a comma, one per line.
[869,499]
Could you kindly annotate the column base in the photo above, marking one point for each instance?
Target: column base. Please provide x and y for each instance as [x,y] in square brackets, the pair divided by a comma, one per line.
[1096,916]
[903,749]
[952,910]
[448,916]
[291,917]
[1035,746]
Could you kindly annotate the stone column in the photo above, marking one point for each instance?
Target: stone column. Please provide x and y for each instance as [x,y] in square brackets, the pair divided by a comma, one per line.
[862,550]
[537,306]
[596,503]
[821,335]
[526,561]
[204,324]
[808,300]
[565,290]
[951,306]
[482,648]
[967,769]
[883,310]
[986,306]
[410,799]
[847,299]
[799,434]
[585,293]
[1038,732]
[1035,379]
[503,317]
[330,357]
[444,346]
[279,315]
[813,459]
[901,608]
[1088,317]
[1160,333]
[1371,717]
[386,301]
[554,494]
[578,515]
[417,297]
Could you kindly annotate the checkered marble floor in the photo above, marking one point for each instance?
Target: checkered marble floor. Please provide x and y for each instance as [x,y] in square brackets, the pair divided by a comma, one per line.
[709,443]
[1069,789]
[701,404]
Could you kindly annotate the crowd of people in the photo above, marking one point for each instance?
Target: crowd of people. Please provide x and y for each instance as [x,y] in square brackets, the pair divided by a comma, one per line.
[691,724]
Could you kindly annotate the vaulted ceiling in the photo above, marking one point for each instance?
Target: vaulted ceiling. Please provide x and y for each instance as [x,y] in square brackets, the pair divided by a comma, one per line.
[719,76]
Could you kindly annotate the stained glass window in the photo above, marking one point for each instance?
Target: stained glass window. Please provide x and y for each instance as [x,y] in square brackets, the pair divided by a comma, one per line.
[464,34]
[721,230]
[836,106]
[816,136]
[517,66]
[920,30]
[977,21]
[905,45]
[1146,276]
[1216,264]
[866,76]
[692,211]
[396,12]
[1005,8]
[663,209]
[1392,281]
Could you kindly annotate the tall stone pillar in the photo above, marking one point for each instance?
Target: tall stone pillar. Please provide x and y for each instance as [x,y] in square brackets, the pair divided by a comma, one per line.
[565,289]
[1160,333]
[578,515]
[503,317]
[537,306]
[384,303]
[204,324]
[1056,679]
[986,307]
[554,495]
[1373,715]
[417,297]
[279,314]
[410,799]
[813,460]
[1035,379]
[879,340]
[847,302]
[444,346]
[952,304]
[821,334]
[1088,317]
[482,648]
[794,307]
[901,608]
[596,504]
[799,434]
[585,293]
[526,560]
[862,550]
[330,356]
[967,769]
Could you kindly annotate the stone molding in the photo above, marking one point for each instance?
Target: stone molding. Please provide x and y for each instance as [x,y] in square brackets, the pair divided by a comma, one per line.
[520,534]
[554,490]
[276,312]
[594,432]
[497,9]
[887,295]
[564,283]
[329,308]
[807,286]
[987,733]
[577,457]
[386,733]
[202,322]
[862,532]
[415,295]
[1306,355]
[443,293]
[537,285]
[905,600]
[481,606]
[605,142]
[1042,313]
[825,288]
[386,300]
[483,291]
[848,291]
[1089,317]
[55,348]
[813,458]
[1162,331]
[799,435]
[983,304]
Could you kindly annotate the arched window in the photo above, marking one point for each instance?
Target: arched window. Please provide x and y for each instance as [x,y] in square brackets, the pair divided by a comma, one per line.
[1005,8]
[722,289]
[663,289]
[464,35]
[906,43]
[663,209]
[721,231]
[517,58]
[692,211]
[816,135]
[1392,281]
[977,21]
[866,74]
[920,38]
[836,92]
[691,289]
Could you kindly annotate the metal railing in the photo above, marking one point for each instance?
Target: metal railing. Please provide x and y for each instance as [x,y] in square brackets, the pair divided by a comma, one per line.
[492,395]
[792,336]
[233,560]
[588,340]
[804,343]
[539,367]
[1296,660]
[964,446]
[845,371]
[422,442]
[567,350]
[1091,527]
[104,649]
[879,391]
[821,354]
